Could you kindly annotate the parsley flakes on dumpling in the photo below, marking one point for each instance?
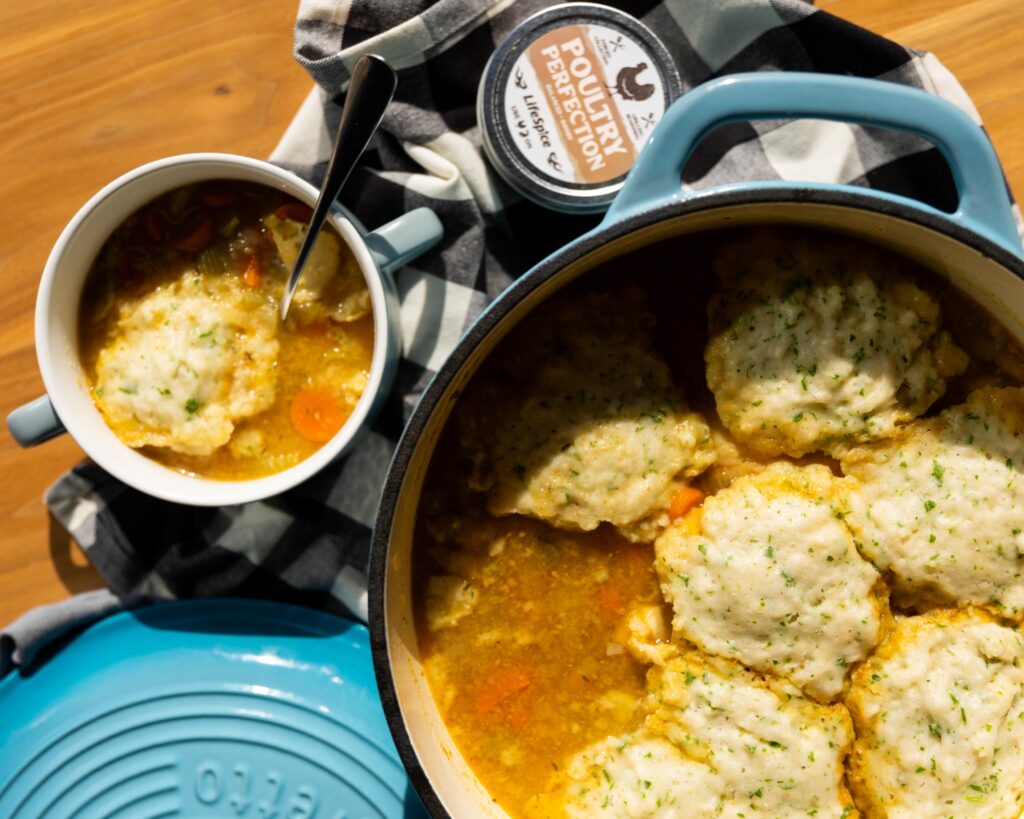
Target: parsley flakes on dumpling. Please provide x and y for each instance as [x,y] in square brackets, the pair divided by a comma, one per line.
[817,344]
[717,740]
[766,572]
[582,424]
[187,362]
[940,508]
[938,714]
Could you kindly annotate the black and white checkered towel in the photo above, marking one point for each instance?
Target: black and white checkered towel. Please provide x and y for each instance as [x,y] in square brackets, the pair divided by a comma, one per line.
[310,545]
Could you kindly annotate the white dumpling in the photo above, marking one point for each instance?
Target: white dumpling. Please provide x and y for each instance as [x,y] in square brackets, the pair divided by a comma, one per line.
[187,362]
[941,507]
[816,344]
[592,428]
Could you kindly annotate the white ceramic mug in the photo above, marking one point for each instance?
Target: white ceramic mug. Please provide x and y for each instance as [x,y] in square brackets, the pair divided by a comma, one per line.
[68,405]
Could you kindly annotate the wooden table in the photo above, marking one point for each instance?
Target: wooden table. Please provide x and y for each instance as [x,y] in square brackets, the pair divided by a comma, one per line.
[92,89]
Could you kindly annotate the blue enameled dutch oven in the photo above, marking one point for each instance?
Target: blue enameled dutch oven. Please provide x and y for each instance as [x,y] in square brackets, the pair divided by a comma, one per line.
[977,248]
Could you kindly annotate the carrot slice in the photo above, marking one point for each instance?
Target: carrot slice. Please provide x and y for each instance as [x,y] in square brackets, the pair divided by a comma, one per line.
[685,500]
[253,275]
[296,211]
[610,600]
[198,239]
[316,414]
[501,687]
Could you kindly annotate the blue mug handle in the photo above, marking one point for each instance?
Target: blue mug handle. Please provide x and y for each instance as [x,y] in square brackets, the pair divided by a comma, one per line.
[34,423]
[403,239]
[392,245]
[984,205]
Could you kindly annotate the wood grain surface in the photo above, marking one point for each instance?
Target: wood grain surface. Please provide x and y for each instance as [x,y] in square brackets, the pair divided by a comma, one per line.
[92,88]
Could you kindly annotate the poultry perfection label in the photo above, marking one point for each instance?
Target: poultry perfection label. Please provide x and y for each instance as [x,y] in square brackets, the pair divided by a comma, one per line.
[581,101]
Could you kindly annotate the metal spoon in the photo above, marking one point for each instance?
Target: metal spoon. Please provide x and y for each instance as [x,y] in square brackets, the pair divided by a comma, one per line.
[369,92]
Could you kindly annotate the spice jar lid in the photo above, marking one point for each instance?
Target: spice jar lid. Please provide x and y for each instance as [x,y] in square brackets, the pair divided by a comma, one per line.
[567,101]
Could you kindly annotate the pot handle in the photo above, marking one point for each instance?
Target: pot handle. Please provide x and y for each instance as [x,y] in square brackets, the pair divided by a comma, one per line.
[984,205]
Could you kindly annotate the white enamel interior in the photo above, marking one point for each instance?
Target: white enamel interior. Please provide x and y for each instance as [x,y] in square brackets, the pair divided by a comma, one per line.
[56,328]
[455,785]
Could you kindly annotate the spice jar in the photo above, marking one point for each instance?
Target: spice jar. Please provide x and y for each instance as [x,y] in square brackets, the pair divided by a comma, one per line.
[568,100]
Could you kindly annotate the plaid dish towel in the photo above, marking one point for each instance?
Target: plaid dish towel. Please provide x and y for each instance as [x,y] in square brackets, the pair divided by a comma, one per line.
[310,545]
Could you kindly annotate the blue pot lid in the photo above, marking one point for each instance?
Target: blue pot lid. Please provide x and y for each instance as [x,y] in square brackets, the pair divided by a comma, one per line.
[219,708]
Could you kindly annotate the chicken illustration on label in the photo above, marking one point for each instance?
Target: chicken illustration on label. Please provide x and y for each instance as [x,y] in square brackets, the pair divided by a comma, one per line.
[627,85]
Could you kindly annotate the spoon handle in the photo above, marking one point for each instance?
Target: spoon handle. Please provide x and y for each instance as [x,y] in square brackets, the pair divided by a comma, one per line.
[369,92]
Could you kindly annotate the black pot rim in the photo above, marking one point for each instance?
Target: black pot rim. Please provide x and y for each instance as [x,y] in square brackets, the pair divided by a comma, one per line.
[502,306]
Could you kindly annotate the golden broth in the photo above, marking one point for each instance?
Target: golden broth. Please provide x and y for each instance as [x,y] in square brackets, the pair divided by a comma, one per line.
[539,669]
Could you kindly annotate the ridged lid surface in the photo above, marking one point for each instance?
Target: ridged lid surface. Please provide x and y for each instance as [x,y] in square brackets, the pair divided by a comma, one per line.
[224,708]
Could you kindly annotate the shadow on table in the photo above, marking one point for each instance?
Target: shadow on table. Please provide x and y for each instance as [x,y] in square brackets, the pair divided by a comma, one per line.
[70,563]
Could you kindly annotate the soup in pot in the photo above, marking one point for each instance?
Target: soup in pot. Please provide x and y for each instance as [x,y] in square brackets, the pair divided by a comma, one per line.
[736,536]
